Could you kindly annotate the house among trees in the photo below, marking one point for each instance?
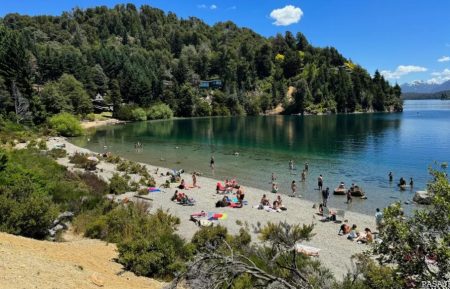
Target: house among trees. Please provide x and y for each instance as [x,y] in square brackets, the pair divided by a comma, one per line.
[100,105]
[214,84]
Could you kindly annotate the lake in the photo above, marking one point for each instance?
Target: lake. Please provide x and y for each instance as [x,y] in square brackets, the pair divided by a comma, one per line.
[353,148]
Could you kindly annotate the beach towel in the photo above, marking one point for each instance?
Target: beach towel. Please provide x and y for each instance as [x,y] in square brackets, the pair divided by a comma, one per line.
[153,190]
[307,250]
[235,205]
[217,216]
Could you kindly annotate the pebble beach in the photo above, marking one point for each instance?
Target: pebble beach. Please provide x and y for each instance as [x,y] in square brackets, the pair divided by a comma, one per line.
[335,250]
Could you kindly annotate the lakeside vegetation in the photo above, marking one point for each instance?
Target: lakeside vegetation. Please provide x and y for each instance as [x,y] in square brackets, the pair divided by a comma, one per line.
[141,58]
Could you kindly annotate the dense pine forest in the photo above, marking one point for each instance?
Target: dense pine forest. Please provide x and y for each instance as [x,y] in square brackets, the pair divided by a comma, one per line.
[140,57]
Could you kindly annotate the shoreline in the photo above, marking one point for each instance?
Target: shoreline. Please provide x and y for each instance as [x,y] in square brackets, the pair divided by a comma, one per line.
[98,123]
[335,250]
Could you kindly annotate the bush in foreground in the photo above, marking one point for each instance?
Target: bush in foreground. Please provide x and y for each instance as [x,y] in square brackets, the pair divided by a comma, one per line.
[66,124]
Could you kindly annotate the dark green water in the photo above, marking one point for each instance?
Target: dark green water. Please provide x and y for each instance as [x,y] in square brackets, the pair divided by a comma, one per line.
[359,148]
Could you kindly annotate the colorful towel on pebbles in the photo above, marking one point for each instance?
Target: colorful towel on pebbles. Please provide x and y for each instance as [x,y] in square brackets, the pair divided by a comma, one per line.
[217,216]
[153,190]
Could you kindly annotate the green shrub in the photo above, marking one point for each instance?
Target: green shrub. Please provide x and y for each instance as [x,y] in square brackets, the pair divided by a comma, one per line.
[57,153]
[91,116]
[122,166]
[159,111]
[113,159]
[139,114]
[159,255]
[81,161]
[118,184]
[30,217]
[147,244]
[125,112]
[202,108]
[66,124]
[3,160]
[131,113]
[209,236]
[42,145]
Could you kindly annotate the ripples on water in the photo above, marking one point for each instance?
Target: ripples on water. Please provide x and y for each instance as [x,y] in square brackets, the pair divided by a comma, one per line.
[360,148]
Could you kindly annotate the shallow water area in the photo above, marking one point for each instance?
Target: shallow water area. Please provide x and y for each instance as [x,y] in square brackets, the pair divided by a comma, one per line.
[353,148]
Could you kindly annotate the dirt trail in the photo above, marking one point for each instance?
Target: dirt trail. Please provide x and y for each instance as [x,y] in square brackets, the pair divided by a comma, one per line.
[78,263]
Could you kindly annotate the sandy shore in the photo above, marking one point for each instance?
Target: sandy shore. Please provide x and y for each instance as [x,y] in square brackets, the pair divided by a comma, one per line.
[335,250]
[97,123]
[78,263]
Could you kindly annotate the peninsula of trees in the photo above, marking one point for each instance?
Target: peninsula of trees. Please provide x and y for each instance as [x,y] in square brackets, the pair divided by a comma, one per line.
[140,57]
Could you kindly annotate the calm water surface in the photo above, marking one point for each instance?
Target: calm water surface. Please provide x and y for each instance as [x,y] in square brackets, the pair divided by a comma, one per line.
[358,148]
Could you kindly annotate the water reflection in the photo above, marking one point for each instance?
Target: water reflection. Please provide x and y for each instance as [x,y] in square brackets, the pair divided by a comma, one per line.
[322,135]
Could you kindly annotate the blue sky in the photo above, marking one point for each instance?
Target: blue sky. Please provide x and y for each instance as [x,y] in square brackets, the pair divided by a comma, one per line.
[406,39]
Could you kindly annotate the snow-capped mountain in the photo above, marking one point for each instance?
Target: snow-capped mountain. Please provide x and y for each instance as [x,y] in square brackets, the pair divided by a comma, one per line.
[420,86]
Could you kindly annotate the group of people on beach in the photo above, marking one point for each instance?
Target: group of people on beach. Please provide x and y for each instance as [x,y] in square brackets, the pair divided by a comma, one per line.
[276,206]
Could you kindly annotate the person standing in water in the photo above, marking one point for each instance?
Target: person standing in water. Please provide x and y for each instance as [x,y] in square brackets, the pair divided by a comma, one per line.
[274,178]
[211,162]
[303,176]
[306,166]
[320,182]
[349,196]
[291,165]
[293,188]
[411,183]
[391,177]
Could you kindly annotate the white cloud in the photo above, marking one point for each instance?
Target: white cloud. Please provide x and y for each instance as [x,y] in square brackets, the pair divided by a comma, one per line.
[440,77]
[287,15]
[444,59]
[402,70]
[203,6]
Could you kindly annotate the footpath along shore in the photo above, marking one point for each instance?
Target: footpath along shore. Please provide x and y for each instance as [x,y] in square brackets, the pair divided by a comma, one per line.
[336,250]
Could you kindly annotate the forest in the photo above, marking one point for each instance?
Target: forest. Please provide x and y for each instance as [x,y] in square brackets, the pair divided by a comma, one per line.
[140,57]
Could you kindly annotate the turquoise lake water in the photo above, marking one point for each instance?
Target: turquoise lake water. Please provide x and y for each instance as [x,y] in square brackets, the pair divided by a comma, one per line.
[356,148]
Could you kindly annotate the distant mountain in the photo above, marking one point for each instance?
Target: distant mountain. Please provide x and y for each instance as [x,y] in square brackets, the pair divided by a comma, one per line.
[420,86]
[417,95]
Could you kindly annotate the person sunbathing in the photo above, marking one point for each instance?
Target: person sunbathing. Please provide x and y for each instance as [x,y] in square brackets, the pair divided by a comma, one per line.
[353,233]
[222,189]
[276,206]
[280,203]
[365,237]
[344,229]
[320,209]
[183,185]
[232,184]
[178,196]
[265,201]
